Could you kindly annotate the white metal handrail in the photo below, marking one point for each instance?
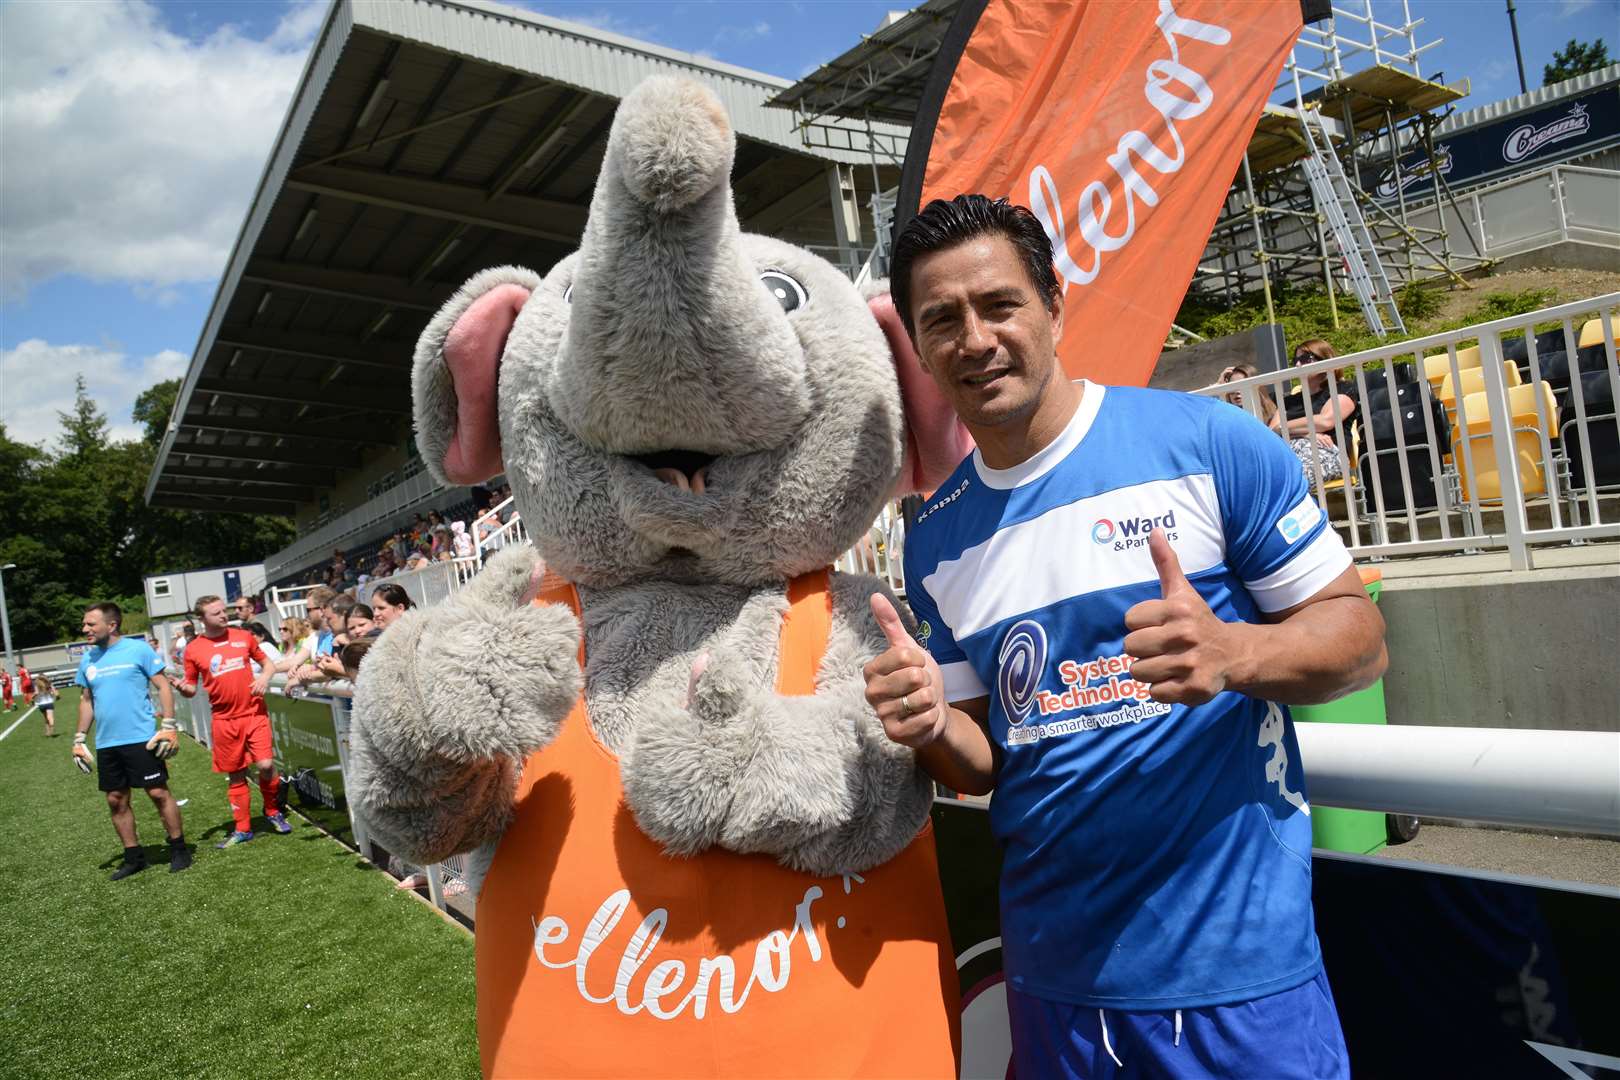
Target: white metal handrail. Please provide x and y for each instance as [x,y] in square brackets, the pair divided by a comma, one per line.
[491,534]
[1540,779]
[1378,490]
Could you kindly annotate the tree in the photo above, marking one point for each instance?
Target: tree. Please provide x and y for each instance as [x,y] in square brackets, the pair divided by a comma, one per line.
[154,407]
[1576,58]
[84,430]
[77,525]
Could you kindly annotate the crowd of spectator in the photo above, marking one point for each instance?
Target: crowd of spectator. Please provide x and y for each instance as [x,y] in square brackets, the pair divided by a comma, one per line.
[433,536]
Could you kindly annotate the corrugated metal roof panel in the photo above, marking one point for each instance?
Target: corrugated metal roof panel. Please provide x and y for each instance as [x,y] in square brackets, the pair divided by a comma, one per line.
[1543,95]
[586,58]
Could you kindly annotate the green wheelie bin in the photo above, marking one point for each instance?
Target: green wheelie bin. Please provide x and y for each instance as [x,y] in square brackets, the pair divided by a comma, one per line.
[1357,831]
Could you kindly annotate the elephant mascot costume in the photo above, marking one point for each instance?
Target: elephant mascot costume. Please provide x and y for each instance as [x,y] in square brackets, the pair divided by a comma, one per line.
[697,854]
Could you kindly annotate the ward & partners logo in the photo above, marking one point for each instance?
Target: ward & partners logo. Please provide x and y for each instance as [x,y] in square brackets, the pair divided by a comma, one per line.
[1132,532]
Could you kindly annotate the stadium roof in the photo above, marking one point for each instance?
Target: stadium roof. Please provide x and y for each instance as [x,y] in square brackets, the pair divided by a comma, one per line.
[882,77]
[427,139]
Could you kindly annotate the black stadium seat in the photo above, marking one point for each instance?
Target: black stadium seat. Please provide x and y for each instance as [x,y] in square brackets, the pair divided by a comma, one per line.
[1602,435]
[1382,420]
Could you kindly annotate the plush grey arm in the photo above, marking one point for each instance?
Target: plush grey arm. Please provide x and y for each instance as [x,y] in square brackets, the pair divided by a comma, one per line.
[449,704]
[810,780]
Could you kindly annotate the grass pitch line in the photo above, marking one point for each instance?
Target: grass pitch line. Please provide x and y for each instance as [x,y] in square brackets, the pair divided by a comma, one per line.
[32,709]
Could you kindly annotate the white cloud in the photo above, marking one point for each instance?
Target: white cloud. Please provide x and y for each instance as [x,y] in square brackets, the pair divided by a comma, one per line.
[131,152]
[38,381]
[1574,7]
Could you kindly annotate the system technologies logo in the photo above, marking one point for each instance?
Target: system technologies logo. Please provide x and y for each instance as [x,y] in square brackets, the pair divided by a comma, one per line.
[1132,532]
[1020,665]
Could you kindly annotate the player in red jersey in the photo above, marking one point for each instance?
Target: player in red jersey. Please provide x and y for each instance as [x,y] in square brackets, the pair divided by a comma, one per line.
[5,689]
[25,682]
[218,660]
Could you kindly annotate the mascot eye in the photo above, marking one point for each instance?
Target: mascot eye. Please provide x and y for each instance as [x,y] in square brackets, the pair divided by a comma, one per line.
[788,292]
[568,294]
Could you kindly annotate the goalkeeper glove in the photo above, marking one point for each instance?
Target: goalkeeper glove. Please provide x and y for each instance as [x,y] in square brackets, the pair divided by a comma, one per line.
[81,755]
[166,743]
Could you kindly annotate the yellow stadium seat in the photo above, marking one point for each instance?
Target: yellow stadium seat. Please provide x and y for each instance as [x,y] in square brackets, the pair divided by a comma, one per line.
[1592,331]
[1438,366]
[1535,475]
[1473,381]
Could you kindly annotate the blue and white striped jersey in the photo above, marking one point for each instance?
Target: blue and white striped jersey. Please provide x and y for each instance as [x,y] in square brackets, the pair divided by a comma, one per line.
[1156,856]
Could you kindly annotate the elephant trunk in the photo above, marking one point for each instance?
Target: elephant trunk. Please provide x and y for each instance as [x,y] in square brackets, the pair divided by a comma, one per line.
[673,341]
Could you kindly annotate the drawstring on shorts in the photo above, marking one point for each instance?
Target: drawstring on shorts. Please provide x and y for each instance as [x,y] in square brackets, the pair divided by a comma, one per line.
[1103,1020]
[1177,1041]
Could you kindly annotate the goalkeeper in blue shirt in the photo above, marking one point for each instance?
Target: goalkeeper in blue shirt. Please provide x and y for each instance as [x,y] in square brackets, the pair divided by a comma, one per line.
[132,747]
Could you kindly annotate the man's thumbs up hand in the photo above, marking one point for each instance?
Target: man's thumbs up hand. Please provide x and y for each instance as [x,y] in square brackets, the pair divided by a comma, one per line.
[903,685]
[1183,651]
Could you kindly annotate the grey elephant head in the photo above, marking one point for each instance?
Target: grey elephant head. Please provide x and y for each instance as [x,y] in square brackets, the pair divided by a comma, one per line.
[679,399]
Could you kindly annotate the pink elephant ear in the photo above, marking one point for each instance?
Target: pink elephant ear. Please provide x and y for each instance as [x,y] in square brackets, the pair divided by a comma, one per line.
[936,440]
[472,353]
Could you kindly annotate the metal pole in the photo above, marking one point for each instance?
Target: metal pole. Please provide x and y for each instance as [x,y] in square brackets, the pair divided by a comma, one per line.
[1259,239]
[1513,23]
[5,619]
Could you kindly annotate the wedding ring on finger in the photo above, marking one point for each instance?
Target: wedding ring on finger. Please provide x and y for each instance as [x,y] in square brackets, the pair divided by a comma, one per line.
[905,705]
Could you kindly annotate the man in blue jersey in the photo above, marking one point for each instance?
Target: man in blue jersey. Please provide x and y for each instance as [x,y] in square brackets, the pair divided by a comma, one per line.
[1118,595]
[131,746]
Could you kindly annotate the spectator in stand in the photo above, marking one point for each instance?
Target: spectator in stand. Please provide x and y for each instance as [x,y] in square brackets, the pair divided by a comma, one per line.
[325,664]
[401,549]
[360,625]
[462,543]
[1268,407]
[420,557]
[315,603]
[266,645]
[182,638]
[242,610]
[439,544]
[389,602]
[1305,417]
[434,520]
[296,634]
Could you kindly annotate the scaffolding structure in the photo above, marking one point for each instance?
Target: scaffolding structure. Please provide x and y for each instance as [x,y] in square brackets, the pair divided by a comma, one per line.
[1359,76]
[1357,79]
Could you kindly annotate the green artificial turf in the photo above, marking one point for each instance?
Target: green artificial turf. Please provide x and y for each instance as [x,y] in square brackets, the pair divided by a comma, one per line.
[286,957]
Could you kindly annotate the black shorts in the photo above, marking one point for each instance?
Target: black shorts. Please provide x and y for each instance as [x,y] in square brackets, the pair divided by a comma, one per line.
[130,765]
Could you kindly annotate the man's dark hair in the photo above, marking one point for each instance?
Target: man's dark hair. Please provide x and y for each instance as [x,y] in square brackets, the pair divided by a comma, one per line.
[943,224]
[111,612]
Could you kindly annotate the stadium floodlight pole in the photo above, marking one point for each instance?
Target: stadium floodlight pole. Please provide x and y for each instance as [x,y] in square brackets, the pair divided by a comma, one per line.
[5,619]
[1513,24]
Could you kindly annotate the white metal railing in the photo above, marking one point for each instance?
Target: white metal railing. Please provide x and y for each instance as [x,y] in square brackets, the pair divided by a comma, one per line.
[491,534]
[878,553]
[290,601]
[1554,205]
[1521,452]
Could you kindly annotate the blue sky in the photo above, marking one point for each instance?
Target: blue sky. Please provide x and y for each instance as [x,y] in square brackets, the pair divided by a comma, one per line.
[125,187]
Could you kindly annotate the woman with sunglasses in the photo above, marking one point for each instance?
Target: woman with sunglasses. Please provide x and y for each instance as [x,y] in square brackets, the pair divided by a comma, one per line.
[1268,407]
[1306,416]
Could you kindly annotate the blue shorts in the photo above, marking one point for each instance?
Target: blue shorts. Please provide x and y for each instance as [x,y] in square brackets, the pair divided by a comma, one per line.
[1281,1036]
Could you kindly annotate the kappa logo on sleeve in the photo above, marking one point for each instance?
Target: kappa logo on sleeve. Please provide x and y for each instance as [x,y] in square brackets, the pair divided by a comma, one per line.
[1300,520]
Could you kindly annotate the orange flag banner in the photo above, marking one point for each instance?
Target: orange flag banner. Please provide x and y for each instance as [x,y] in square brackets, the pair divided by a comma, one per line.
[1120,124]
